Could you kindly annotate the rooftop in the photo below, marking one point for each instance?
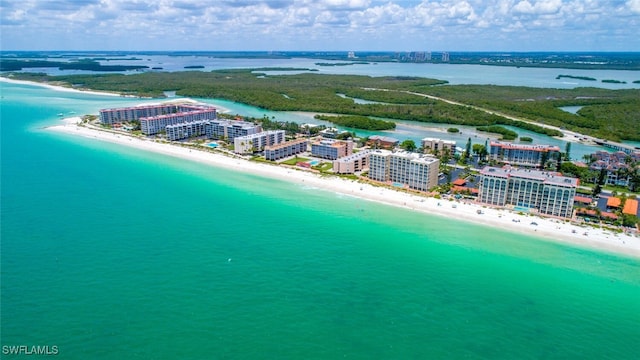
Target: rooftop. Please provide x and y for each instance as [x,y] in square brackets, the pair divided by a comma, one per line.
[547,177]
[166,116]
[355,156]
[435,139]
[505,145]
[630,207]
[613,202]
[285,144]
[426,159]
[383,139]
[582,199]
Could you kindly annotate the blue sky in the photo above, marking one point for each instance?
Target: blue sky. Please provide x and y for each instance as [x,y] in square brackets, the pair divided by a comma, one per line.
[359,25]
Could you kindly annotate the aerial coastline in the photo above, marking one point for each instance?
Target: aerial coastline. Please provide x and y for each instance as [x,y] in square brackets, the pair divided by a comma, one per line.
[548,229]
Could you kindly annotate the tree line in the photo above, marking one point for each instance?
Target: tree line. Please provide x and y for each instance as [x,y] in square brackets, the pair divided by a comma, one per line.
[607,114]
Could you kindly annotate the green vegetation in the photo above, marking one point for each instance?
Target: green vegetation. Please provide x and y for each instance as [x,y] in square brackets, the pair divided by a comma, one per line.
[85,64]
[323,167]
[576,77]
[526,138]
[453,130]
[506,133]
[408,145]
[636,81]
[358,122]
[295,160]
[289,127]
[606,114]
[342,64]
[194,67]
[609,81]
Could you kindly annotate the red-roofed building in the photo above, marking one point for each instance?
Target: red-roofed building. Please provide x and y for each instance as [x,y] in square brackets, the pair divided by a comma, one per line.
[582,199]
[459,182]
[608,215]
[630,207]
[613,202]
[586,212]
[522,155]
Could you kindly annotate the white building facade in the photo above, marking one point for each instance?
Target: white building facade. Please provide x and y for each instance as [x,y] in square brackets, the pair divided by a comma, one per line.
[256,142]
[416,171]
[524,189]
[350,164]
[285,149]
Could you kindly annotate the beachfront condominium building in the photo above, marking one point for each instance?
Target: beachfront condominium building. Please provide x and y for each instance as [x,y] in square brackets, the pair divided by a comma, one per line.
[135,113]
[155,124]
[186,130]
[256,142]
[350,164]
[416,171]
[525,189]
[331,149]
[438,146]
[523,155]
[230,129]
[285,149]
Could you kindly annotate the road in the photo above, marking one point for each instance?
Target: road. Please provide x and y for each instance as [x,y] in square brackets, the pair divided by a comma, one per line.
[568,135]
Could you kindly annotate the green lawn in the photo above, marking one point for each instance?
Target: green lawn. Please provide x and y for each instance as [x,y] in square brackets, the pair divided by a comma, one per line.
[295,160]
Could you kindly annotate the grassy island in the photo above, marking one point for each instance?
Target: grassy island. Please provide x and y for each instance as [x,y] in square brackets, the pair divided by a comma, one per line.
[90,65]
[610,81]
[495,129]
[358,122]
[342,64]
[576,77]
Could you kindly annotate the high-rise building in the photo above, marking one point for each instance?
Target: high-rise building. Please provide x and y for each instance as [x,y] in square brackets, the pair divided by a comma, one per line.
[186,130]
[257,142]
[331,149]
[416,171]
[230,129]
[524,189]
[352,163]
[437,146]
[154,118]
[285,149]
[522,155]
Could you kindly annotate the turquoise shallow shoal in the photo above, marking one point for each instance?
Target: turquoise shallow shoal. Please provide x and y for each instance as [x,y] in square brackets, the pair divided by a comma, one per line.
[110,253]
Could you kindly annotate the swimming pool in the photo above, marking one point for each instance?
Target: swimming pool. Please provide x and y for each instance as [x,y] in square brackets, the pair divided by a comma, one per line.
[314,162]
[212,144]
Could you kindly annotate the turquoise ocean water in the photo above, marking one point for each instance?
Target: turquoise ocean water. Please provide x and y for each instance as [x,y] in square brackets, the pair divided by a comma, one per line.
[112,253]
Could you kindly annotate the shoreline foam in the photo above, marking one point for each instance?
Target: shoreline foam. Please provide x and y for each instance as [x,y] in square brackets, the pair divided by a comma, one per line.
[547,229]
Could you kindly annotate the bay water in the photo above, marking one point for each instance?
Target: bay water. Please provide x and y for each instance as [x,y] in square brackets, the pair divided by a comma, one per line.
[109,252]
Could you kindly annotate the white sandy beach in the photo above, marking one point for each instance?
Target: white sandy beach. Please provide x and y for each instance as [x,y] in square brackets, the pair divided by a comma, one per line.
[547,228]
[56,87]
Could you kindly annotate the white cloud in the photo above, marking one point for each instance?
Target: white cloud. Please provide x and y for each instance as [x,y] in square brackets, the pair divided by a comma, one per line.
[634,6]
[250,24]
[539,7]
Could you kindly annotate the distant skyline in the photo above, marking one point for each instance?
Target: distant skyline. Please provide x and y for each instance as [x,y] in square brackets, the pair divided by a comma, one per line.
[322,25]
